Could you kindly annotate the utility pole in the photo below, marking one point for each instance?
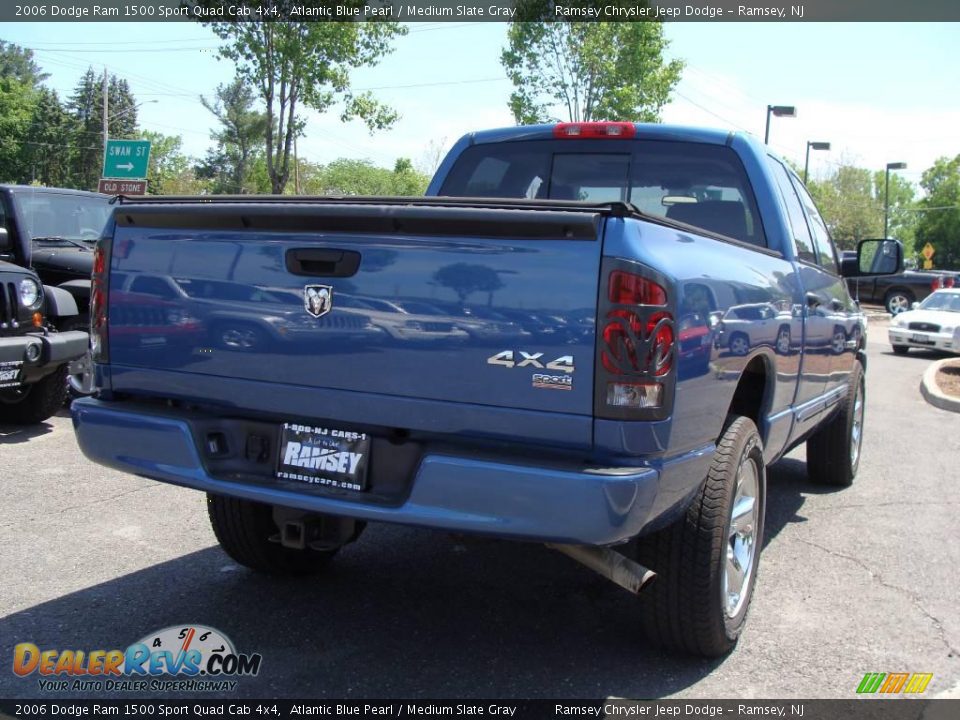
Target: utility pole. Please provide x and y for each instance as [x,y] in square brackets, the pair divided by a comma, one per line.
[106,110]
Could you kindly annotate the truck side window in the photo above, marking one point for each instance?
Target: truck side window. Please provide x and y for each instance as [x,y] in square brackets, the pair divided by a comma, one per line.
[818,228]
[798,223]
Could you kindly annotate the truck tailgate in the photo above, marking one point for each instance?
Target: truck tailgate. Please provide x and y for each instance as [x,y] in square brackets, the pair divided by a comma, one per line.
[481,307]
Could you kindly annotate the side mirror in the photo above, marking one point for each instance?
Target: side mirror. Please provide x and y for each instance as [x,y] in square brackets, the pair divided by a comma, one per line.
[914,305]
[875,257]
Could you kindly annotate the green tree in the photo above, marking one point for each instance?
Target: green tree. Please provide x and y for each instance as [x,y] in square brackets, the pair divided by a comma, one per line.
[18,62]
[902,214]
[939,221]
[27,109]
[16,110]
[303,64]
[361,177]
[46,148]
[240,138]
[591,70]
[86,107]
[407,180]
[169,172]
[849,205]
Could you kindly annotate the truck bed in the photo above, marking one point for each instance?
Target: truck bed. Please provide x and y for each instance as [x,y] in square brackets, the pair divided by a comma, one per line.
[414,298]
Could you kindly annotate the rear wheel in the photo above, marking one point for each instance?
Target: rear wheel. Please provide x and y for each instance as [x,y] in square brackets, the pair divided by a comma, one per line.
[34,403]
[707,561]
[248,532]
[833,452]
[238,336]
[838,342]
[739,344]
[783,341]
[898,301]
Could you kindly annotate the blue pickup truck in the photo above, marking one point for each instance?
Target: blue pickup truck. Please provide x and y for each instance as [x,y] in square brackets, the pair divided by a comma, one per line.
[591,335]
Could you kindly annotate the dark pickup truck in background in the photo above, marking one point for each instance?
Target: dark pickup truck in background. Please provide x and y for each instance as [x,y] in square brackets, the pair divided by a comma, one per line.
[566,342]
[897,293]
[42,331]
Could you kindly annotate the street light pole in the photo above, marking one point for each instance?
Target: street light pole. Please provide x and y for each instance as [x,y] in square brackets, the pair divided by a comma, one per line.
[815,146]
[886,192]
[779,111]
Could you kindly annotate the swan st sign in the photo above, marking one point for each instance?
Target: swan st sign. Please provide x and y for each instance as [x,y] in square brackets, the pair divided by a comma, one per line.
[126,159]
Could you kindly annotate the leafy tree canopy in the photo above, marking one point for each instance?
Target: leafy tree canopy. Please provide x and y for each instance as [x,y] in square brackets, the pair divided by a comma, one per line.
[303,64]
[588,71]
[362,177]
[939,219]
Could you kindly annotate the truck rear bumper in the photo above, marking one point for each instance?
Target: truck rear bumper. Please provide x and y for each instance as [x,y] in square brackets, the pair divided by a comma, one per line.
[462,494]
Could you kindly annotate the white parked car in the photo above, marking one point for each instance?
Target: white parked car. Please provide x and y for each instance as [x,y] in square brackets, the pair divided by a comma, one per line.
[933,324]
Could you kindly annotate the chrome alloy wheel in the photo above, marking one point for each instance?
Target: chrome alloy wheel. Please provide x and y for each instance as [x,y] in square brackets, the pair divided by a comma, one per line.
[239,338]
[856,427]
[742,539]
[898,303]
[739,345]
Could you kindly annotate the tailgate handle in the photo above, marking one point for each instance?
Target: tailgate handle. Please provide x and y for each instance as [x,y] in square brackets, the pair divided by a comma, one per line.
[322,262]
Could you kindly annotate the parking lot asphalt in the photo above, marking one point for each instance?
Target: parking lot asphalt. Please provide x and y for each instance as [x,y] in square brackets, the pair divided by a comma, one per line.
[851,581]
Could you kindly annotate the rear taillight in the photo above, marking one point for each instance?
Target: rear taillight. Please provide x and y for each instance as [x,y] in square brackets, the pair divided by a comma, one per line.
[948,282]
[628,289]
[595,130]
[636,345]
[98,304]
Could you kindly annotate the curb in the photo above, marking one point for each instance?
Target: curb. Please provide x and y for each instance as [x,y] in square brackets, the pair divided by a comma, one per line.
[932,393]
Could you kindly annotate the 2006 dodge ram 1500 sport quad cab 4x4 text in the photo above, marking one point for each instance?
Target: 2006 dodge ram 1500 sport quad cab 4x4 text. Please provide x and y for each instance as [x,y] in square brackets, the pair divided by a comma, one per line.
[592,335]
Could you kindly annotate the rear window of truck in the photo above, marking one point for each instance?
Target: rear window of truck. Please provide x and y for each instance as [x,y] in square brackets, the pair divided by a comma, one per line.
[694,183]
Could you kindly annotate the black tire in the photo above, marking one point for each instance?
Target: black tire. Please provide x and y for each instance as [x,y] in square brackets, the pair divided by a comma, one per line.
[898,300]
[684,609]
[784,341]
[35,403]
[838,341]
[244,530]
[737,347]
[238,336]
[830,451]
[901,349]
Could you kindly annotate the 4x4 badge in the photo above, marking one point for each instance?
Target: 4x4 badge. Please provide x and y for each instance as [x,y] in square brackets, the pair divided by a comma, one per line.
[318,299]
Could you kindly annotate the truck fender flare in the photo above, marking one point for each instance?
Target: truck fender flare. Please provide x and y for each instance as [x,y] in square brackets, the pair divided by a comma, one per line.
[59,302]
[751,396]
[80,289]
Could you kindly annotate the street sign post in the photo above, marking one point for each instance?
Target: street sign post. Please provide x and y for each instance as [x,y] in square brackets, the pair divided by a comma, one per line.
[122,187]
[928,251]
[126,159]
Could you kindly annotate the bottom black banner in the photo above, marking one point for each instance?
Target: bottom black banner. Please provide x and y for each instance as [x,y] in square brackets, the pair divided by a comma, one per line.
[861,709]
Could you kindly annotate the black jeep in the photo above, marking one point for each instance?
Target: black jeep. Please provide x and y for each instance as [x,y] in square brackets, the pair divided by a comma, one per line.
[34,354]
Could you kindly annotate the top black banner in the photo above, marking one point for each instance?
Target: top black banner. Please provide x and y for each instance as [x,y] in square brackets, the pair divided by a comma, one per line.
[478,10]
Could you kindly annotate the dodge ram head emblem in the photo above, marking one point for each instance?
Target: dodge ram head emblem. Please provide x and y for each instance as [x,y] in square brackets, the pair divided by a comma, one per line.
[318,299]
